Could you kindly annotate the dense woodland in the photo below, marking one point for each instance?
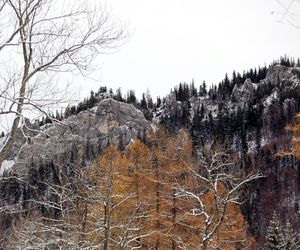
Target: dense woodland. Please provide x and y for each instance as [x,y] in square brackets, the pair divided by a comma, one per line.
[153,195]
[176,187]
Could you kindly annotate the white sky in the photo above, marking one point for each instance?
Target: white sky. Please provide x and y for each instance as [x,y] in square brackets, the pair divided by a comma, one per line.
[179,40]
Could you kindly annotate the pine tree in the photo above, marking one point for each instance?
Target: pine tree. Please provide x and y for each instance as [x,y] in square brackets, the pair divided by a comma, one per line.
[193,90]
[131,98]
[158,102]
[118,96]
[274,237]
[291,239]
[203,90]
[143,102]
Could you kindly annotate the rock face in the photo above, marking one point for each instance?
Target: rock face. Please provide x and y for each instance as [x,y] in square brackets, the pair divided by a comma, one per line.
[243,93]
[82,136]
[279,74]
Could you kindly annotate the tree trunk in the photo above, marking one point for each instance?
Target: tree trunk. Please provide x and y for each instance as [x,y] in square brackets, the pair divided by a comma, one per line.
[204,245]
[12,137]
[106,227]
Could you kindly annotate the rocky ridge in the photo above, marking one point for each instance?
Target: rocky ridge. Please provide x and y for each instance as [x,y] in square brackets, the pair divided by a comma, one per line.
[80,137]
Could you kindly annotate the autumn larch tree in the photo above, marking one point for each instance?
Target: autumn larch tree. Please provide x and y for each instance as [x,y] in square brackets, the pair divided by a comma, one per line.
[112,212]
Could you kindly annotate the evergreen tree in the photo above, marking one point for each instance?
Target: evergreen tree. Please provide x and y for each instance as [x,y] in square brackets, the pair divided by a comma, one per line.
[42,122]
[67,112]
[202,90]
[102,90]
[143,102]
[118,95]
[158,102]
[48,118]
[291,239]
[92,101]
[57,116]
[73,110]
[149,100]
[131,97]
[274,237]
[180,93]
[193,90]
[227,85]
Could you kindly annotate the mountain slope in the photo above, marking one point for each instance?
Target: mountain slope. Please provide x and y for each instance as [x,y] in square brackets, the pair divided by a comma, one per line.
[248,117]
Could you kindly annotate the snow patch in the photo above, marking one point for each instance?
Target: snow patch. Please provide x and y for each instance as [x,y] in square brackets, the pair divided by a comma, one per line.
[6,165]
[2,141]
[154,127]
[271,98]
[255,85]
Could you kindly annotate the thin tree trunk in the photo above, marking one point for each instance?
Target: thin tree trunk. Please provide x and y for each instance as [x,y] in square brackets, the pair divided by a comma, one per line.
[106,226]
[204,245]
[12,137]
[157,205]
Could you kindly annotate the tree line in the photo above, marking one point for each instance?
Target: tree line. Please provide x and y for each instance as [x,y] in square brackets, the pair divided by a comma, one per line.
[183,92]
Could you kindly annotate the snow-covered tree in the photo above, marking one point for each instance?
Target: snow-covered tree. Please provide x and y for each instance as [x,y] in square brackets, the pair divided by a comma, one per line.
[274,238]
[291,238]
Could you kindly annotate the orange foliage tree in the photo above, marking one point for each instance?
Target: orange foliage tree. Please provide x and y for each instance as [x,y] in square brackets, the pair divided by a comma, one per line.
[164,196]
[296,137]
[111,216]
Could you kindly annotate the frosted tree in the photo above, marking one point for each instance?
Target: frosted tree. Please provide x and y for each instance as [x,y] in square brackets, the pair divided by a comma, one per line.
[291,238]
[274,238]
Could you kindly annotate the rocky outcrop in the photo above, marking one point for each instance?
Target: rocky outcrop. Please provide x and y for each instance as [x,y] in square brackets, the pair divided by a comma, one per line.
[281,75]
[81,137]
[243,93]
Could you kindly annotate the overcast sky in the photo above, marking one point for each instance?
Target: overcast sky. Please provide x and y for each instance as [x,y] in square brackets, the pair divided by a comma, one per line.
[175,41]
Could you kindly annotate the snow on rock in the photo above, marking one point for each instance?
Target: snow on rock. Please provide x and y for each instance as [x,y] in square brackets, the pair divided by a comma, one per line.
[2,141]
[273,97]
[6,166]
[82,136]
[243,93]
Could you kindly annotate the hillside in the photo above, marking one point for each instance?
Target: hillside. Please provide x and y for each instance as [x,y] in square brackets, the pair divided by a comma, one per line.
[251,121]
[246,114]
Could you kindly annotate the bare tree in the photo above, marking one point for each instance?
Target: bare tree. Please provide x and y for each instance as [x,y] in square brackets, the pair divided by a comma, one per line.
[214,185]
[54,220]
[40,39]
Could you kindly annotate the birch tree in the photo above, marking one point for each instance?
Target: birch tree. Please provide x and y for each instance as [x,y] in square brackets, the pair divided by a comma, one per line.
[212,193]
[40,40]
